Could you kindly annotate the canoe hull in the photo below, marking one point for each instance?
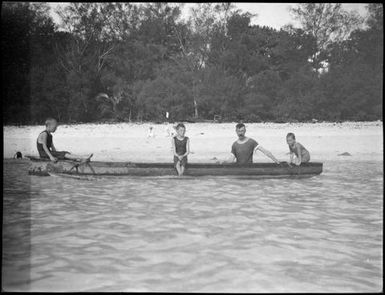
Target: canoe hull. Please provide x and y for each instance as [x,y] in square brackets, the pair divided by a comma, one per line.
[43,167]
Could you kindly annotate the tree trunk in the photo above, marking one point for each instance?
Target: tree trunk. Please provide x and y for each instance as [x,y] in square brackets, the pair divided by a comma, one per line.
[195,109]
[196,114]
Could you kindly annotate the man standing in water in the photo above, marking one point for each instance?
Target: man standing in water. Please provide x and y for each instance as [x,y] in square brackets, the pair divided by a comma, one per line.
[244,148]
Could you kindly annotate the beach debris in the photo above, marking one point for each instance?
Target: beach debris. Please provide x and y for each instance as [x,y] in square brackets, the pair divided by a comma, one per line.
[314,120]
[215,158]
[202,133]
[344,154]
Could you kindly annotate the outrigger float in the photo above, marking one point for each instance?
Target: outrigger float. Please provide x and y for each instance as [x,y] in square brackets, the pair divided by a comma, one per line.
[68,168]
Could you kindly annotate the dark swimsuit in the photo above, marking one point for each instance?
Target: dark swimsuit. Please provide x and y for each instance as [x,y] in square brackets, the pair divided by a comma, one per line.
[43,154]
[181,148]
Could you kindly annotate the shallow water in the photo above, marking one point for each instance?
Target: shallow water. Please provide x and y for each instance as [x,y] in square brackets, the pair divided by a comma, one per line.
[322,234]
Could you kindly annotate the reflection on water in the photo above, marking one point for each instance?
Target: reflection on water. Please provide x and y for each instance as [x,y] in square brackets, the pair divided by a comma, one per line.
[200,234]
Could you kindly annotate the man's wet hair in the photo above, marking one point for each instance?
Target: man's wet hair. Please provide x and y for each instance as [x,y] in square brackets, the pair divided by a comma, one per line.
[180,125]
[50,121]
[290,135]
[240,125]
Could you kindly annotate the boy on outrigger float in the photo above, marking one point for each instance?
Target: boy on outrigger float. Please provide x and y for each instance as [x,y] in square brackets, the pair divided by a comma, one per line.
[47,149]
[181,148]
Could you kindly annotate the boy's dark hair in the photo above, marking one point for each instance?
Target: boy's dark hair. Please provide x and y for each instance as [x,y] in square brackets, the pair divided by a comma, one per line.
[240,125]
[180,125]
[290,135]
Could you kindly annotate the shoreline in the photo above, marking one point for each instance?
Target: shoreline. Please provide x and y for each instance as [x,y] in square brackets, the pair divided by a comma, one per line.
[209,141]
[203,122]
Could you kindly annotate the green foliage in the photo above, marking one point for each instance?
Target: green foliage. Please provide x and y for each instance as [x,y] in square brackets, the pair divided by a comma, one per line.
[26,28]
[169,92]
[123,62]
[327,23]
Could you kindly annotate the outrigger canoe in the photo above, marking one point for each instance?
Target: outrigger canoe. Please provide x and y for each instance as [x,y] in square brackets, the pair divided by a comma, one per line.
[44,167]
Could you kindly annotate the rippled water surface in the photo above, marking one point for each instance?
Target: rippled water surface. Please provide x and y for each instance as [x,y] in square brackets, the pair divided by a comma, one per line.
[319,234]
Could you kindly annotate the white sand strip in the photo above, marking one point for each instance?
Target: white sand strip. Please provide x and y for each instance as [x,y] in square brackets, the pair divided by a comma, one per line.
[129,142]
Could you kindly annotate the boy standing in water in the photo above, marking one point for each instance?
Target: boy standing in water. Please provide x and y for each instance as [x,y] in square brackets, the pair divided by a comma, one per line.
[47,149]
[181,148]
[302,154]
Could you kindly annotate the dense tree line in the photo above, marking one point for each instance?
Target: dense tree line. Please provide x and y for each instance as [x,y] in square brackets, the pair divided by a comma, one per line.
[123,62]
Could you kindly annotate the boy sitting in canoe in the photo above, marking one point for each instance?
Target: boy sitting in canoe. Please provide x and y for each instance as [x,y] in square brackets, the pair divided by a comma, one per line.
[302,154]
[47,149]
[181,148]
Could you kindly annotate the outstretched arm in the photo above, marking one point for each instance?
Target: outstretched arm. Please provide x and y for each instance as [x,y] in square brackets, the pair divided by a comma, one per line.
[291,157]
[53,147]
[299,155]
[187,148]
[232,157]
[174,148]
[267,153]
[229,160]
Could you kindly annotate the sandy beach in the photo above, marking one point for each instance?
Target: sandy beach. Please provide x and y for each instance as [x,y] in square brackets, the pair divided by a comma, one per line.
[130,141]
